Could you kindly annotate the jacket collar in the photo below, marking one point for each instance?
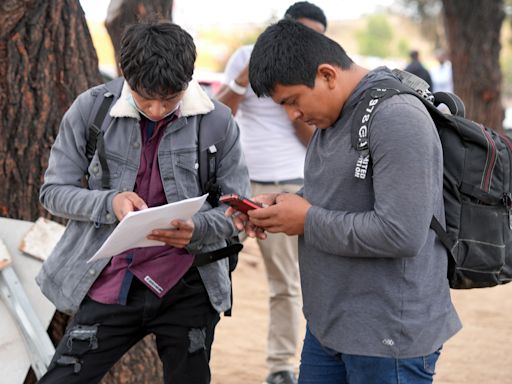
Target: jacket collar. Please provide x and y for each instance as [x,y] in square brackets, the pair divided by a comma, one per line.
[195,102]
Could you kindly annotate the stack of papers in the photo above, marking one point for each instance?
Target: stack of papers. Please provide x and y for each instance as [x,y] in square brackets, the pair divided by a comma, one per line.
[132,231]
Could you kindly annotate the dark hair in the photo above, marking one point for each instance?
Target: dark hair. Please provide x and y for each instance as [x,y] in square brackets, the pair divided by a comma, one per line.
[414,55]
[305,9]
[289,53]
[157,58]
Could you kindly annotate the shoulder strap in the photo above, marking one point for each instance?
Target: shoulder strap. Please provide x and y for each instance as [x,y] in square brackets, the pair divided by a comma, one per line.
[442,234]
[95,137]
[207,165]
[363,116]
[95,141]
[210,142]
[364,111]
[231,249]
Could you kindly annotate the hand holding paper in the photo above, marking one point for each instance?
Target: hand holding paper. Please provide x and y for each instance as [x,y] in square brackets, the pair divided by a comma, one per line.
[126,202]
[178,236]
[133,230]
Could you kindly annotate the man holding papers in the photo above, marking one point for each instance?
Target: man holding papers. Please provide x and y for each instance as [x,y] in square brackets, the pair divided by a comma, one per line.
[146,157]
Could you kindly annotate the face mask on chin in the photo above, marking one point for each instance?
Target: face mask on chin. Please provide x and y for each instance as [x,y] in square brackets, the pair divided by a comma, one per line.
[131,101]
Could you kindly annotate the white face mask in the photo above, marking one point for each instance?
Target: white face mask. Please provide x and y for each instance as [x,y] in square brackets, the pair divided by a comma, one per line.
[131,101]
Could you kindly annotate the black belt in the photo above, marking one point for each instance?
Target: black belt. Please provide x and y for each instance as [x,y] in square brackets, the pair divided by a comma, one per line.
[297,181]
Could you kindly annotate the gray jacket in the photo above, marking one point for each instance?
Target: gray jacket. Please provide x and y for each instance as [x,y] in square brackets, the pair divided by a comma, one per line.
[65,278]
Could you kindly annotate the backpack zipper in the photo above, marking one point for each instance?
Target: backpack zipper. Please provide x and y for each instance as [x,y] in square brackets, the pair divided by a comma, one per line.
[492,161]
[507,196]
[507,202]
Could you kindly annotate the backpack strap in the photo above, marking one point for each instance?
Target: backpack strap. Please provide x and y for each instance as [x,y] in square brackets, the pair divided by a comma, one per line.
[208,162]
[363,116]
[95,140]
[210,142]
[213,256]
[447,241]
[405,83]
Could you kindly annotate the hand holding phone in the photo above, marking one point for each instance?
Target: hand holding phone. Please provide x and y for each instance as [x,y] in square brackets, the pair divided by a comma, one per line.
[240,203]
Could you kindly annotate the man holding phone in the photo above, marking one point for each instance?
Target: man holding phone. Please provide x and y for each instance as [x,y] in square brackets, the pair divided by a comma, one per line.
[274,149]
[373,274]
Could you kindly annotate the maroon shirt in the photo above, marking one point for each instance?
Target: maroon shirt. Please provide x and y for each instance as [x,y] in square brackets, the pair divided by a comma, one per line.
[161,267]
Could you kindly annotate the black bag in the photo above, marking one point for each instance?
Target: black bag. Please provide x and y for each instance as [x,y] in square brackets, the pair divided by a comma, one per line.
[477,183]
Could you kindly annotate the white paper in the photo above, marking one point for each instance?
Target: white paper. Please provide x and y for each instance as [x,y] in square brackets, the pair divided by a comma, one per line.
[132,231]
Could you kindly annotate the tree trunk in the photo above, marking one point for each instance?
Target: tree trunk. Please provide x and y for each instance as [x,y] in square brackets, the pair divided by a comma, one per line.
[473,32]
[46,59]
[122,13]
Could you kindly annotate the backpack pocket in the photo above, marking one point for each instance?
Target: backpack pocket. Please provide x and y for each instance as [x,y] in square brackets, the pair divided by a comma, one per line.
[479,252]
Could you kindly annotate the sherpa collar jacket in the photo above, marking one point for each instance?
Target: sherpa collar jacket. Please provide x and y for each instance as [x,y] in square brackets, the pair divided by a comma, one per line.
[65,278]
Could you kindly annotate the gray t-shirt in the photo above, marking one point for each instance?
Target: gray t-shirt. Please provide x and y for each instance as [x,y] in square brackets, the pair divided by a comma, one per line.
[373,273]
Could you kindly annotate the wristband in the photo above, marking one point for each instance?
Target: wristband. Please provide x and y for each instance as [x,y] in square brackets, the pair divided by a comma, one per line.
[237,88]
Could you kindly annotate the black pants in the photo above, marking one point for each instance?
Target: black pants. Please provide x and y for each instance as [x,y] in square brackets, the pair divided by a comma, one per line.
[183,322]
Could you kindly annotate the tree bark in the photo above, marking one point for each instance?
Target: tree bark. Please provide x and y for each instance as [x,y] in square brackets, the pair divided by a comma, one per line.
[46,59]
[473,32]
[122,13]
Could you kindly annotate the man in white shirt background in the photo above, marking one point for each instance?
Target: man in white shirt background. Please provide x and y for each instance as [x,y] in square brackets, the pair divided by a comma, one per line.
[274,150]
[442,80]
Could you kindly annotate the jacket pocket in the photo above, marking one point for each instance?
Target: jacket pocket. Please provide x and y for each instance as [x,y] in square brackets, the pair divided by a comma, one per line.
[186,173]
[115,168]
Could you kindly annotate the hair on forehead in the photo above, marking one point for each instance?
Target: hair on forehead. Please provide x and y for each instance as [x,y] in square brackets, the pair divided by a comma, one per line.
[289,53]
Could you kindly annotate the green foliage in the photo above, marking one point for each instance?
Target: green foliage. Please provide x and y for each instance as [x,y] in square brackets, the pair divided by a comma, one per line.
[375,39]
[403,47]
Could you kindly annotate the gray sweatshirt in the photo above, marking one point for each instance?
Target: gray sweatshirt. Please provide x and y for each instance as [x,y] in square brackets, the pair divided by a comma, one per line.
[373,273]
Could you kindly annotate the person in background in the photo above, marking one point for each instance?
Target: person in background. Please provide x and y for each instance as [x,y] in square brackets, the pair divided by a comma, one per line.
[150,145]
[416,68]
[373,273]
[442,77]
[274,148]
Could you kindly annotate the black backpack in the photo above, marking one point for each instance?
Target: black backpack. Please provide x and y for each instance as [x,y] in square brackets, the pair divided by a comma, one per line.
[477,183]
[209,143]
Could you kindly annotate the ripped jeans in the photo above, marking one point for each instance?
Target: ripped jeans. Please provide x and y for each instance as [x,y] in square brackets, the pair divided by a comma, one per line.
[183,322]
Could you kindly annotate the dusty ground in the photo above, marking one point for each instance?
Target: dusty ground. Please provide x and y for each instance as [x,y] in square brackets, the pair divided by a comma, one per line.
[480,354]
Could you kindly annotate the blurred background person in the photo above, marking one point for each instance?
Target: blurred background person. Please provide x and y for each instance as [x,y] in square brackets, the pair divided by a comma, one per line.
[274,150]
[442,79]
[416,68]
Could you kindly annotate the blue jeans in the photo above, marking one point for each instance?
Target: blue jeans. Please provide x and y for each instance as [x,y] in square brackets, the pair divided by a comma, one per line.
[321,365]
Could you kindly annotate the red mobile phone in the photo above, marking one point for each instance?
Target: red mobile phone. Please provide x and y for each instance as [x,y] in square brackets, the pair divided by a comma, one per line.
[240,203]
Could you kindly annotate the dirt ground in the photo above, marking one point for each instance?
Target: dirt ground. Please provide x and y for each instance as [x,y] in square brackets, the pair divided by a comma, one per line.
[479,354]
